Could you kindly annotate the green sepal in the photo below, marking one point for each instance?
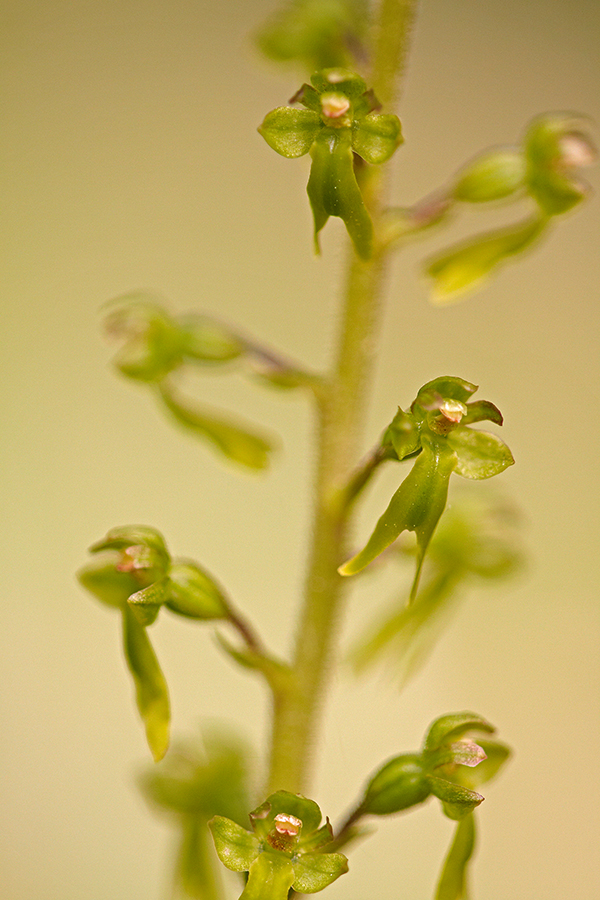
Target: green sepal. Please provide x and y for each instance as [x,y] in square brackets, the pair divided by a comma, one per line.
[270,878]
[318,839]
[446,387]
[207,341]
[333,190]
[482,411]
[493,175]
[102,579]
[291,132]
[124,537]
[453,879]
[153,344]
[150,686]
[236,848]
[403,434]
[146,602]
[315,871]
[457,801]
[451,727]
[340,80]
[193,593]
[398,785]
[234,442]
[479,453]
[416,506]
[463,267]
[286,803]
[376,137]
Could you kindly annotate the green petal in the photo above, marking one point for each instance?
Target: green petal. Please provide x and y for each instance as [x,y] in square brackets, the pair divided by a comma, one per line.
[466,265]
[124,536]
[271,877]
[453,726]
[452,884]
[147,602]
[102,579]
[291,132]
[446,387]
[236,848]
[457,801]
[376,137]
[232,441]
[480,454]
[403,434]
[482,411]
[315,871]
[150,685]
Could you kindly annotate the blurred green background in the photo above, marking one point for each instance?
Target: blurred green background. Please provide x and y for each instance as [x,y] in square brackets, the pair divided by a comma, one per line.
[131,160]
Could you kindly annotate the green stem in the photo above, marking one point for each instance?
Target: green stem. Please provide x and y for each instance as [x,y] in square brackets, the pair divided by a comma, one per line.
[341,417]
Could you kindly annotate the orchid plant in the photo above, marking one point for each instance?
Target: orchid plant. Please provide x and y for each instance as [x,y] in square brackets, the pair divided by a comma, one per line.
[345,117]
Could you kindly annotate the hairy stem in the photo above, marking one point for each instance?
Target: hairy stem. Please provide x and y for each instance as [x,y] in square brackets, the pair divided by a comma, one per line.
[341,417]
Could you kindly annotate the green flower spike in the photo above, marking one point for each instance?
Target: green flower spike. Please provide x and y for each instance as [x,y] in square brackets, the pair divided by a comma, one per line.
[339,121]
[284,850]
[133,572]
[435,428]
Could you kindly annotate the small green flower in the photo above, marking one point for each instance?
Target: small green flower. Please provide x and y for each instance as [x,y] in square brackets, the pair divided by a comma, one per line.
[435,429]
[284,849]
[132,570]
[445,768]
[340,120]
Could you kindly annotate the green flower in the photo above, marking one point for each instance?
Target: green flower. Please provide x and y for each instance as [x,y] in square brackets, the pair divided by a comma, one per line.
[435,430]
[132,571]
[448,767]
[284,849]
[340,120]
